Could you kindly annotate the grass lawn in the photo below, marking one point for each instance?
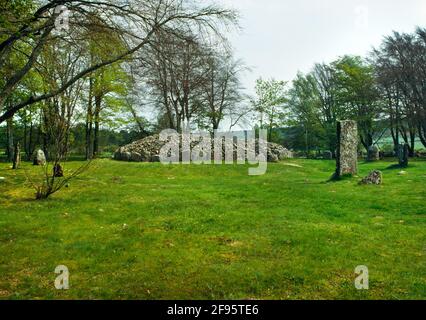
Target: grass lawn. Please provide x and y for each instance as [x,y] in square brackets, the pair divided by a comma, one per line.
[148,231]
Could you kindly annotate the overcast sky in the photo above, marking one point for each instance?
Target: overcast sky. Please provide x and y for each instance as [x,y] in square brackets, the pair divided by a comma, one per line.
[280,37]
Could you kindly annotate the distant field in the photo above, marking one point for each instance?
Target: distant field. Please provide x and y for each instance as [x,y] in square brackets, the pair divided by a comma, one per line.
[148,231]
[388,141]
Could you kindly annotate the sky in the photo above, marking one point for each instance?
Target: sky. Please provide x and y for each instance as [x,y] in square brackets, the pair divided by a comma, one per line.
[278,38]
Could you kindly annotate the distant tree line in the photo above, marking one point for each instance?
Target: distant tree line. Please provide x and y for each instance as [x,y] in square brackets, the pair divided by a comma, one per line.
[385,93]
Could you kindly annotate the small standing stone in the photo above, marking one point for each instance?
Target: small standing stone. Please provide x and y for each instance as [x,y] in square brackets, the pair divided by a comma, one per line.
[327,155]
[347,148]
[58,171]
[373,153]
[374,177]
[402,152]
[39,158]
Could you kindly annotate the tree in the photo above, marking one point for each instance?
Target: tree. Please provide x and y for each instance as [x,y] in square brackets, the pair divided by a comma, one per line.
[304,105]
[270,103]
[176,73]
[400,66]
[344,89]
[314,106]
[358,95]
[221,91]
[192,81]
[133,21]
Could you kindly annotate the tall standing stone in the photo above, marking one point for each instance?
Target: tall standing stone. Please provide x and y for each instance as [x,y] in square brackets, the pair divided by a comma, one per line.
[347,147]
[402,152]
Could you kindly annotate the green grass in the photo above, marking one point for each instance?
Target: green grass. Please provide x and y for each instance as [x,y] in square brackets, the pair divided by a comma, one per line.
[213,232]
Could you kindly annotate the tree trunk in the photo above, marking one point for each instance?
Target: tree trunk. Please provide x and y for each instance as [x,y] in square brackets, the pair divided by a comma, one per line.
[16,157]
[137,120]
[307,142]
[364,143]
[30,149]
[270,133]
[98,103]
[395,136]
[412,145]
[10,144]
[25,142]
[422,134]
[215,124]
[89,123]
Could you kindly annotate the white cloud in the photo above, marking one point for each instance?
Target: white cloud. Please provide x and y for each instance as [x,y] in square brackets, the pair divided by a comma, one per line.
[281,37]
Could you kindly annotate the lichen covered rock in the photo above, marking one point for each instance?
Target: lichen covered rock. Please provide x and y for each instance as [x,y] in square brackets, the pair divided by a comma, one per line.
[374,177]
[347,153]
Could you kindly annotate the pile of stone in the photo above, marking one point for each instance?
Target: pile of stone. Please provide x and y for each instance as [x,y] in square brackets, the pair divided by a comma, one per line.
[148,150]
[145,150]
[374,177]
[277,152]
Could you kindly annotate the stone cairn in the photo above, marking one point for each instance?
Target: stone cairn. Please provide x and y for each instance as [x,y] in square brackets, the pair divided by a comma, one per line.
[347,155]
[148,150]
[374,177]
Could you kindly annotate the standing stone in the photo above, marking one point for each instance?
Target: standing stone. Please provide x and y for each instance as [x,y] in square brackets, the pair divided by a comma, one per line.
[58,171]
[373,153]
[17,157]
[402,152]
[347,155]
[327,155]
[39,158]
